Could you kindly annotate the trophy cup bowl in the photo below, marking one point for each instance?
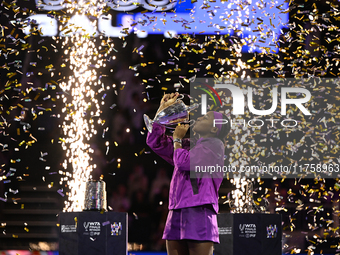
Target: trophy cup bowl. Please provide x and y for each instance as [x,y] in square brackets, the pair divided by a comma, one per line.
[95,196]
[176,113]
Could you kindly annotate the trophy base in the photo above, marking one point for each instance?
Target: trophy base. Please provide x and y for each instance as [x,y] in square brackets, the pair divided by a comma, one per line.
[148,122]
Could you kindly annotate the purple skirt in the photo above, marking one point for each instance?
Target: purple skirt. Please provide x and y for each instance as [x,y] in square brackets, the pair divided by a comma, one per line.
[194,223]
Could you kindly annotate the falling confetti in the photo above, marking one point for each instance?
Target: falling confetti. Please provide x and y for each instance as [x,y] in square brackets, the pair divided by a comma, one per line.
[307,47]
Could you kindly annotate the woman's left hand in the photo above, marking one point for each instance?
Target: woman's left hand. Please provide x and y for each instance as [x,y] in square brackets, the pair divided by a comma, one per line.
[180,131]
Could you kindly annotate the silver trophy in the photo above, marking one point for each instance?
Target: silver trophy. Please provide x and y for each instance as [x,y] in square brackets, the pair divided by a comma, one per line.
[176,113]
[95,196]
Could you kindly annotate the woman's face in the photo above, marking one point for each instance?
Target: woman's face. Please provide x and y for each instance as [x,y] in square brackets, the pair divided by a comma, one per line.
[204,124]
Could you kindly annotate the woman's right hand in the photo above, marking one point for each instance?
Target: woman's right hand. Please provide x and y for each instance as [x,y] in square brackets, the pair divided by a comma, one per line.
[167,100]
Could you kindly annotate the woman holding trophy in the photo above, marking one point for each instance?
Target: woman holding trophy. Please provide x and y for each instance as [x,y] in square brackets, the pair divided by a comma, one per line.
[191,226]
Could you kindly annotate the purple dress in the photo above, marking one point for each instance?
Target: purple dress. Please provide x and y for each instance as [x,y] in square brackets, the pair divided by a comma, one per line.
[193,197]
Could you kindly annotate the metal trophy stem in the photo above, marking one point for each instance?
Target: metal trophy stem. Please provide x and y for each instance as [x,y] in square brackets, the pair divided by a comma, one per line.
[247,205]
[95,196]
[176,113]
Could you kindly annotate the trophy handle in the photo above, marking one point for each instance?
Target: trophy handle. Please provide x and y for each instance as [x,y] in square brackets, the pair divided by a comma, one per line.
[148,122]
[193,122]
[180,97]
